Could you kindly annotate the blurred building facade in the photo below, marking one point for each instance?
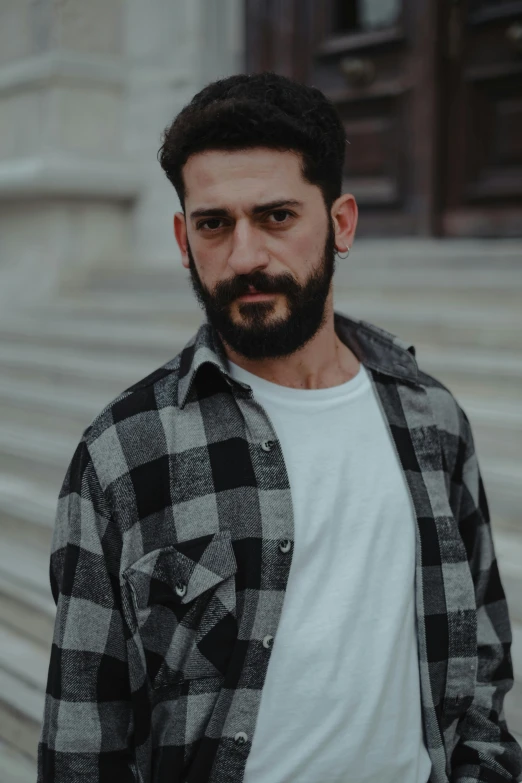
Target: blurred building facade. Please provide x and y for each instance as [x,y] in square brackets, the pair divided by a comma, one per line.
[85,91]
[430,93]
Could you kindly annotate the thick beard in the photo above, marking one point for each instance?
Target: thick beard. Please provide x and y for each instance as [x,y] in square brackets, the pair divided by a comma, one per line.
[255,339]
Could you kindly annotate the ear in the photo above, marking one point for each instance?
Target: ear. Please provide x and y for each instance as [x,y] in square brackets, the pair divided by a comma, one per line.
[180,232]
[344,215]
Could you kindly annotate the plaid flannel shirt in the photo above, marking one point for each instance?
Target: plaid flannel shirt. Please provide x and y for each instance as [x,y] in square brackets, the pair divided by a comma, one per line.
[170,558]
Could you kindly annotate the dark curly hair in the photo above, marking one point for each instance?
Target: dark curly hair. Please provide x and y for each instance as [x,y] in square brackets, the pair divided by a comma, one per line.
[259,110]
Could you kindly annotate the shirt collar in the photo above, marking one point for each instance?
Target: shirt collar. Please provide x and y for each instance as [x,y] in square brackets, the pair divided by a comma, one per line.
[374,347]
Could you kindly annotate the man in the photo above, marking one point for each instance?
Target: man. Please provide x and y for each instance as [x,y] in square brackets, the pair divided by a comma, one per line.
[272,558]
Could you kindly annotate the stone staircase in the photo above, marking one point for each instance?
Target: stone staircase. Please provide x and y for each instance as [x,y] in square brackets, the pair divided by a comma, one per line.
[458,302]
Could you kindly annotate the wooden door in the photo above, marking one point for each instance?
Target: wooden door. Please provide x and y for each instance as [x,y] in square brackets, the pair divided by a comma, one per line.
[362,63]
[375,59]
[430,92]
[481,156]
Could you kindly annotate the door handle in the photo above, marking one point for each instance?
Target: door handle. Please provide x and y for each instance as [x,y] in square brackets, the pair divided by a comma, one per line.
[357,72]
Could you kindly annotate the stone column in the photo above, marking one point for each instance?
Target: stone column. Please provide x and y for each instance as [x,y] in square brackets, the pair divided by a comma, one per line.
[67,184]
[174,47]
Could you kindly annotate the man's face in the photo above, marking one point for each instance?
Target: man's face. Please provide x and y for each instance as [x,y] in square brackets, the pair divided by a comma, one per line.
[253,221]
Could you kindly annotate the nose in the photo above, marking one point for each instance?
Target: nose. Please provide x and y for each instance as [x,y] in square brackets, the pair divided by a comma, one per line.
[247,252]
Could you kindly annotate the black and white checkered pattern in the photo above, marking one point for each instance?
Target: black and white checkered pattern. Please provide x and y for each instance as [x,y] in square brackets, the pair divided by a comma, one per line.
[170,558]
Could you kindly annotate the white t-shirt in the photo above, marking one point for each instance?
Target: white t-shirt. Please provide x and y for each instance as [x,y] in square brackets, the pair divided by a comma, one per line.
[341,701]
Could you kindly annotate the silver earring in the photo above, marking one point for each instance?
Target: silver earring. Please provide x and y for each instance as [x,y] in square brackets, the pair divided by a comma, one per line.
[347,254]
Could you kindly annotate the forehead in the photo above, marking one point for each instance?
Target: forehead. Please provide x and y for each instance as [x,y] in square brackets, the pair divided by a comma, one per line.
[253,175]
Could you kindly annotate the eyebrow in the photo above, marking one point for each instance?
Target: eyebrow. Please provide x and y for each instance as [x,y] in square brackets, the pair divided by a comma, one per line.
[257,210]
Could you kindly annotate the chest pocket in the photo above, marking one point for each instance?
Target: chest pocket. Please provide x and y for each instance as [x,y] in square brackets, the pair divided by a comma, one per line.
[183,606]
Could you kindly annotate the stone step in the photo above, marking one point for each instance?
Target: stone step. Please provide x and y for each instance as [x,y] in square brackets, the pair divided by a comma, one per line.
[459,272]
[497,424]
[21,697]
[26,631]
[67,410]
[23,664]
[104,335]
[32,512]
[21,714]
[473,372]
[23,675]
[26,660]
[73,398]
[58,421]
[42,456]
[161,305]
[70,400]
[413,252]
[417,275]
[16,767]
[434,287]
[442,325]
[60,365]
[27,510]
[26,542]
[502,485]
[43,453]
[40,445]
[458,325]
[36,453]
[496,427]
[77,406]
[467,371]
[27,516]
[25,567]
[86,368]
[25,611]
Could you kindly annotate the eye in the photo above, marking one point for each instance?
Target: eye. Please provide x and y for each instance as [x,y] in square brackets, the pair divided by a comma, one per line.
[280,215]
[211,223]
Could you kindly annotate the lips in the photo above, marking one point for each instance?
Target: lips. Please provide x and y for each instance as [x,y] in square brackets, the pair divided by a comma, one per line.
[257,295]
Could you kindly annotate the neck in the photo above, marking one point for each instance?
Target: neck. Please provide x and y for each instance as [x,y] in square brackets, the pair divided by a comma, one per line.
[324,362]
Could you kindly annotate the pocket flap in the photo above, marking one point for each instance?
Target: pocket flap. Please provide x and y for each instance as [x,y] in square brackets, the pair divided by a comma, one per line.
[178,574]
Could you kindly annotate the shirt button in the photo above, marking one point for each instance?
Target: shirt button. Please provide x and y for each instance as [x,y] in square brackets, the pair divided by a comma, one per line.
[267,445]
[181,589]
[267,641]
[240,738]
[285,545]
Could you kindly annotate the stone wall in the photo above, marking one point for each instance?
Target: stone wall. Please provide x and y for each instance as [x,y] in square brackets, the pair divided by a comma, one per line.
[187,45]
[85,92]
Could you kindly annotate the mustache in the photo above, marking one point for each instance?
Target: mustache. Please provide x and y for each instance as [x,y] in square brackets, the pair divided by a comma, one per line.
[259,284]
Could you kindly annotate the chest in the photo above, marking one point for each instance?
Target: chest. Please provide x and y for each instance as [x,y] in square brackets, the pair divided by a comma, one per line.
[228,476]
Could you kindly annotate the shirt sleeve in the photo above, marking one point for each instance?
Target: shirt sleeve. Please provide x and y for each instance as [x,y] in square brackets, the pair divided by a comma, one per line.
[87,724]
[486,750]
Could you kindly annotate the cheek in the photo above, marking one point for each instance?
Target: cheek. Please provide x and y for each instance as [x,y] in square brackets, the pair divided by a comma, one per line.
[208,270]
[206,258]
[309,245]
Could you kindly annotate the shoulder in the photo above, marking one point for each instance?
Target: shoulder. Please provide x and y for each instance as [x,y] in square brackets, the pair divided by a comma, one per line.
[450,418]
[129,427]
[447,409]
[448,413]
